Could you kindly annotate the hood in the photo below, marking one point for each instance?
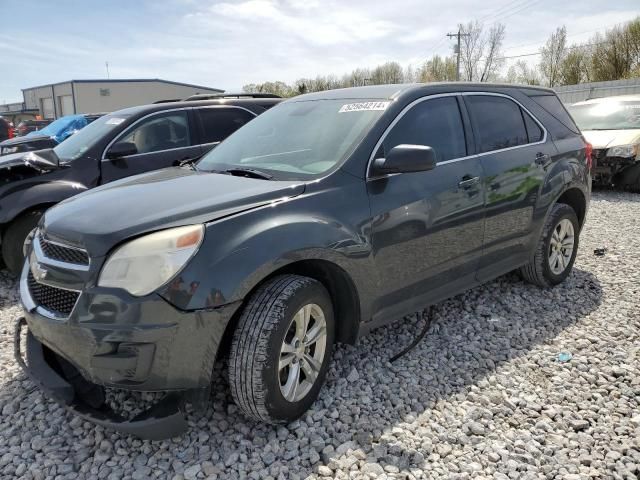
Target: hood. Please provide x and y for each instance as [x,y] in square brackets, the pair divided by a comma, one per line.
[103,217]
[611,138]
[25,139]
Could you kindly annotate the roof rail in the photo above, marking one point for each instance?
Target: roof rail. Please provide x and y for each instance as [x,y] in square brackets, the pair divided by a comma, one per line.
[169,100]
[213,96]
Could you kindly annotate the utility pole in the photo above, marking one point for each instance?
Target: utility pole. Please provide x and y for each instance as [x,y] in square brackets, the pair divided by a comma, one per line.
[106,64]
[457,50]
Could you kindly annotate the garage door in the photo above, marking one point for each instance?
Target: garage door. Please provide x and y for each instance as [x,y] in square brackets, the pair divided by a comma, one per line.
[46,106]
[66,104]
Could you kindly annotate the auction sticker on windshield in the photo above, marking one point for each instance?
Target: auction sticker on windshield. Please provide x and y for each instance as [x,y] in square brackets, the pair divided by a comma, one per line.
[115,121]
[363,106]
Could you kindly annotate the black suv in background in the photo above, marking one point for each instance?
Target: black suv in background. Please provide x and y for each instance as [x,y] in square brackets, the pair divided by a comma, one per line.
[327,216]
[124,143]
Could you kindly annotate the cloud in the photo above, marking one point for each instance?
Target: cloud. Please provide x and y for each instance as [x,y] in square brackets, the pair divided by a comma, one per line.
[231,43]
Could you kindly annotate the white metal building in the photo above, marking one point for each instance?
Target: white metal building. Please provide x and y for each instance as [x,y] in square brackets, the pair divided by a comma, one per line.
[584,91]
[92,96]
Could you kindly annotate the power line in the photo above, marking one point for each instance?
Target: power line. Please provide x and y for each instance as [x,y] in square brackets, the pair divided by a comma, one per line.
[540,53]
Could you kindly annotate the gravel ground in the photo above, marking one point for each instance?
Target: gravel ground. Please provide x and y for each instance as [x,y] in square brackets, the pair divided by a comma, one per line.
[484,395]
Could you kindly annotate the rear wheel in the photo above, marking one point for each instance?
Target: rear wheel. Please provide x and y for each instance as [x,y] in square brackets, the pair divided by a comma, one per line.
[281,349]
[556,250]
[14,238]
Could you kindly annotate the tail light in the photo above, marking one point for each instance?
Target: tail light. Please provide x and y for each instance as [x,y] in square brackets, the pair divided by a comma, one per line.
[11,133]
[588,155]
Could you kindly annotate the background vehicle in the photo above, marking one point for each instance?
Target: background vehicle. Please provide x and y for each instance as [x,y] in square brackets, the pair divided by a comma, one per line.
[6,129]
[612,126]
[115,146]
[281,241]
[49,136]
[28,126]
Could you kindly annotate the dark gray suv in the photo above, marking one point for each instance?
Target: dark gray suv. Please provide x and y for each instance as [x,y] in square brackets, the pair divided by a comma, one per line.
[325,217]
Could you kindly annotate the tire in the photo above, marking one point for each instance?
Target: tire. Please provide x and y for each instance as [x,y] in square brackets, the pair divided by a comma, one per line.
[14,237]
[267,321]
[540,271]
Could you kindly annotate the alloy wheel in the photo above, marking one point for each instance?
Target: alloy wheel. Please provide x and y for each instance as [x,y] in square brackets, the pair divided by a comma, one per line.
[561,246]
[302,352]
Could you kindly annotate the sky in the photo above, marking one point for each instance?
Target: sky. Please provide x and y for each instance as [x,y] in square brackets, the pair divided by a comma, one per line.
[228,44]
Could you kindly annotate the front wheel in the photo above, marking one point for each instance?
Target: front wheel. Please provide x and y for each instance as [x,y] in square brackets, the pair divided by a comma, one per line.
[14,238]
[557,248]
[281,349]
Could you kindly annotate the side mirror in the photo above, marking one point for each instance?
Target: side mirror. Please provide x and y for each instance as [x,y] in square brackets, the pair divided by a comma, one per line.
[43,160]
[405,159]
[122,149]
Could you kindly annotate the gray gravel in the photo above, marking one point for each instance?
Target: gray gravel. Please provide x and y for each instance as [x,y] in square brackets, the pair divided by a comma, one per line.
[483,395]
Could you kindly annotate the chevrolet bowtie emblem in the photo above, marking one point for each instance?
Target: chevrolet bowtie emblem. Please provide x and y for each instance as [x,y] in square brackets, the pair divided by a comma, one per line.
[39,273]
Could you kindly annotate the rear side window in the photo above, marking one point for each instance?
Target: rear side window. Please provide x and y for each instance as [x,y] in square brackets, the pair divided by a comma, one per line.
[533,129]
[436,123]
[552,105]
[218,123]
[498,122]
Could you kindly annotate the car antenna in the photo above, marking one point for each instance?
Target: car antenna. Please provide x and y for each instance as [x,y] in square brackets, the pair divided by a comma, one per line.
[428,317]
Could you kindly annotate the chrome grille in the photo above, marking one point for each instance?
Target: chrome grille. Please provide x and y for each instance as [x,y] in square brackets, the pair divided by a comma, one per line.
[55,300]
[61,253]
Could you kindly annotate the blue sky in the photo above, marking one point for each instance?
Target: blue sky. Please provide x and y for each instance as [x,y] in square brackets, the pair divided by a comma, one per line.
[227,44]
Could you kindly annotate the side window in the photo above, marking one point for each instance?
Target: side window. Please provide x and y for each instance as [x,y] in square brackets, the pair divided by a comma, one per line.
[436,123]
[554,107]
[497,121]
[160,132]
[219,123]
[533,129]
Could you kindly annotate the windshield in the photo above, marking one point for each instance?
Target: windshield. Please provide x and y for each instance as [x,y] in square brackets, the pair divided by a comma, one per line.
[607,115]
[74,146]
[296,140]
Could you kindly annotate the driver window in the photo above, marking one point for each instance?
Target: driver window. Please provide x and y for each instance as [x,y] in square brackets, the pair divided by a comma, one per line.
[160,132]
[436,123]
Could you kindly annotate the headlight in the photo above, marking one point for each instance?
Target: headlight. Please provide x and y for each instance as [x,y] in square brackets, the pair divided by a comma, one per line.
[146,263]
[624,151]
[7,150]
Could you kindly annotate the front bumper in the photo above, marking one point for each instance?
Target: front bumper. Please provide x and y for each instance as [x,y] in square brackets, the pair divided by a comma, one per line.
[163,420]
[113,339]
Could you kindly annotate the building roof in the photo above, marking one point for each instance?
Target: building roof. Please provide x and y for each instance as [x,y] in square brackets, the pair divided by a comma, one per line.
[126,80]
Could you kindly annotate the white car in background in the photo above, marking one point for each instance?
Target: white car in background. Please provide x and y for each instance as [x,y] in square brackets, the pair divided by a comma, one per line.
[612,126]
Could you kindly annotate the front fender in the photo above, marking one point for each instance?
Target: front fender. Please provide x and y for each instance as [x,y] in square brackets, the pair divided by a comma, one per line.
[26,195]
[241,251]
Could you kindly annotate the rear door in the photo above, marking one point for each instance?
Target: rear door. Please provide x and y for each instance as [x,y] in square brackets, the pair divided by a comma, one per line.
[216,123]
[515,154]
[162,139]
[427,226]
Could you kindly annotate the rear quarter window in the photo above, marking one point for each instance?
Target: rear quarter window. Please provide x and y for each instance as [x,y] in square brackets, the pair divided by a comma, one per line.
[553,106]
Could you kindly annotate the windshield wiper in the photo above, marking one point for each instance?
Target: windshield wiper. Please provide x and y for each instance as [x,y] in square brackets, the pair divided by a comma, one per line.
[189,162]
[249,172]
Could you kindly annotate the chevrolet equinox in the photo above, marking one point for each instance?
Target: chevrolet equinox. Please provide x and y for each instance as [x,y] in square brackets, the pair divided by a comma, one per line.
[329,215]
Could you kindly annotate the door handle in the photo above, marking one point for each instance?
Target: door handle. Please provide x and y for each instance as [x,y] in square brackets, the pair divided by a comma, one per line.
[543,159]
[468,182]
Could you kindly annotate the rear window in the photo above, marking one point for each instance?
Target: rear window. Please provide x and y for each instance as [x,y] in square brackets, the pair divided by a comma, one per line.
[218,123]
[552,105]
[498,122]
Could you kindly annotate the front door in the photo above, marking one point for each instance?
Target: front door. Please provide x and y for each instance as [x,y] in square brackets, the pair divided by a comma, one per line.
[162,140]
[427,227]
[515,154]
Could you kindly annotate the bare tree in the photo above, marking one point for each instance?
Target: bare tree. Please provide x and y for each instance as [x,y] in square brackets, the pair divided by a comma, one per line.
[492,59]
[390,72]
[480,52]
[552,56]
[471,50]
[522,73]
